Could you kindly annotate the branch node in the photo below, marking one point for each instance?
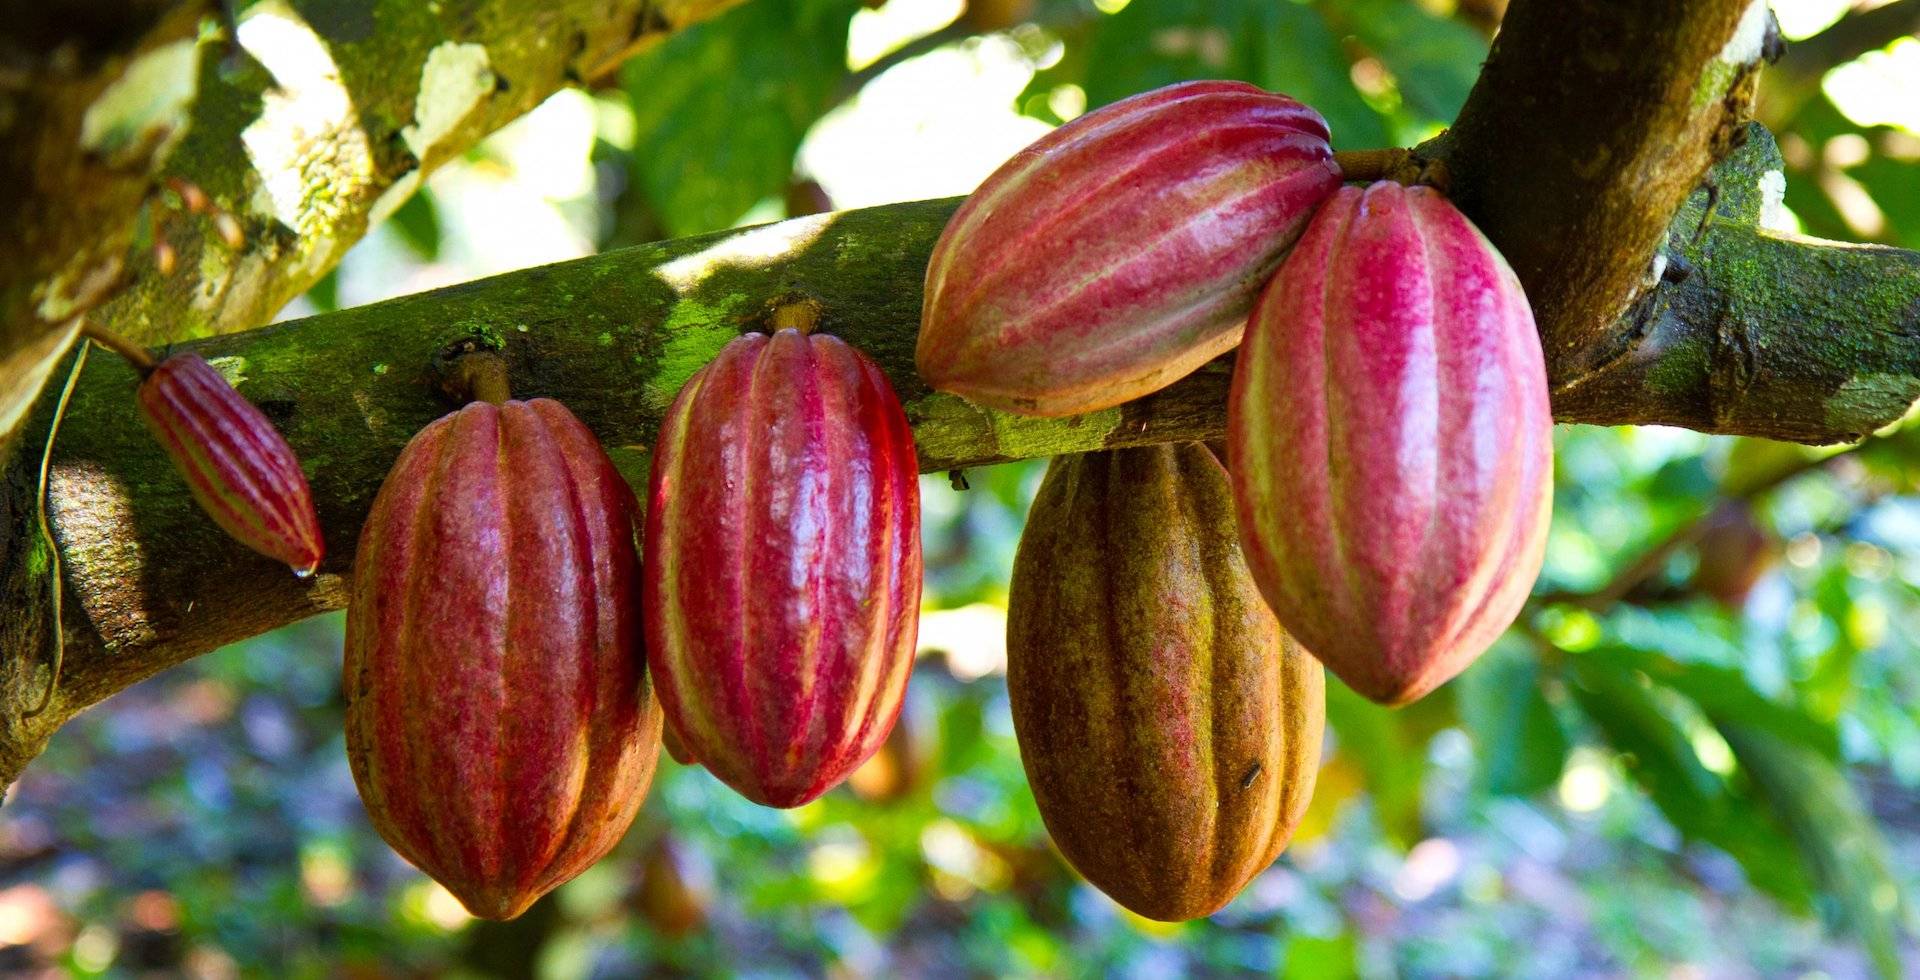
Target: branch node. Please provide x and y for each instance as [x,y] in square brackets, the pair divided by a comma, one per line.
[471,369]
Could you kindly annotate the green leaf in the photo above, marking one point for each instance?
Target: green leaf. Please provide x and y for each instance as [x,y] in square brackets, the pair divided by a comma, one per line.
[1522,745]
[721,108]
[1388,749]
[1890,183]
[1835,834]
[1435,59]
[1725,692]
[1658,753]
[1310,956]
[1294,51]
[418,223]
[1660,756]
[1281,46]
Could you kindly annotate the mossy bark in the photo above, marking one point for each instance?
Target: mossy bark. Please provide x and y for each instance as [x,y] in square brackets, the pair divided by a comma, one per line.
[306,121]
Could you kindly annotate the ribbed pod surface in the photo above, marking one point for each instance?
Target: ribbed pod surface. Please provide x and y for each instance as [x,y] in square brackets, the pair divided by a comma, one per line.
[783,564]
[1170,731]
[237,466]
[499,721]
[1391,441]
[1121,251]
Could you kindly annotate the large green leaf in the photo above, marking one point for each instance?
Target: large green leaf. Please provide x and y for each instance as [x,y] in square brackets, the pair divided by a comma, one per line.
[1435,59]
[1390,747]
[1725,692]
[721,108]
[1837,837]
[1275,44]
[1659,754]
[1522,745]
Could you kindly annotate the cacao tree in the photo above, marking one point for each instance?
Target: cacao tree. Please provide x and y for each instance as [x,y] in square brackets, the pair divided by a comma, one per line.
[178,171]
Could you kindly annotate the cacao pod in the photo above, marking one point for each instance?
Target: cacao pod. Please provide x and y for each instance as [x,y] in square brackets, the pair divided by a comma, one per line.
[783,564]
[1391,443]
[676,887]
[1122,250]
[675,750]
[904,760]
[239,469]
[1170,730]
[1734,551]
[499,721]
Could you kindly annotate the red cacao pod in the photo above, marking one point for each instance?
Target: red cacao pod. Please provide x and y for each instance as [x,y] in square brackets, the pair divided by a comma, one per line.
[1170,730]
[239,469]
[1122,250]
[1391,443]
[499,721]
[783,564]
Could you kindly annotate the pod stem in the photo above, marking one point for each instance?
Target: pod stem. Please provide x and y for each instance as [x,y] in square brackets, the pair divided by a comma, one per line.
[482,376]
[141,358]
[1392,163]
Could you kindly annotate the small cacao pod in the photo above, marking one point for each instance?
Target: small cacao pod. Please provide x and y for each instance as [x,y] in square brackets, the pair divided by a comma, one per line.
[1170,730]
[904,760]
[499,721]
[1391,443]
[1122,250]
[1734,551]
[676,887]
[783,564]
[239,469]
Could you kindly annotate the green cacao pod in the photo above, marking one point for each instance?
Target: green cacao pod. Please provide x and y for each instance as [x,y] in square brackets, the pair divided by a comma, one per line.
[1170,730]
[499,722]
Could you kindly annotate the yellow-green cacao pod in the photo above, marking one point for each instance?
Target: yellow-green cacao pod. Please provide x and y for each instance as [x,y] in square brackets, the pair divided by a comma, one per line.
[1169,729]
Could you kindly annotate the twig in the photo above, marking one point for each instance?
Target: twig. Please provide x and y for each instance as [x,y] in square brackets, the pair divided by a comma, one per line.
[924,44]
[52,545]
[138,356]
[1655,558]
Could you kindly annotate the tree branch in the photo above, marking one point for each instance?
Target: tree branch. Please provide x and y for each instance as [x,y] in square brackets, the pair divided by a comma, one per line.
[151,582]
[1591,123]
[1572,174]
[309,131]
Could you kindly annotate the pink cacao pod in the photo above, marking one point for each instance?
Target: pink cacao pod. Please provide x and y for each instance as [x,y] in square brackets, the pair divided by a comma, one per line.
[1391,442]
[239,469]
[1122,250]
[1169,729]
[783,564]
[499,721]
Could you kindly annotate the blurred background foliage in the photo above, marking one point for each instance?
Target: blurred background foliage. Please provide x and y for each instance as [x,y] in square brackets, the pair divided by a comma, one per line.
[1697,755]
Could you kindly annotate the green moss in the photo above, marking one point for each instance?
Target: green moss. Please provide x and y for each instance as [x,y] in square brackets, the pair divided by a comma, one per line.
[950,431]
[1715,82]
[695,332]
